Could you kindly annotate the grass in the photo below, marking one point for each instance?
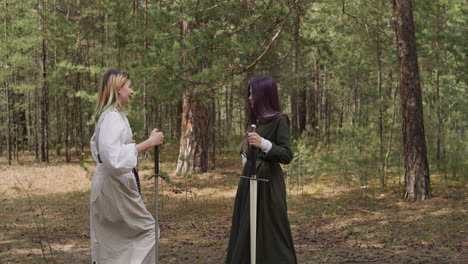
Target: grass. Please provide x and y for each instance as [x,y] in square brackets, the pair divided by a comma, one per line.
[331,223]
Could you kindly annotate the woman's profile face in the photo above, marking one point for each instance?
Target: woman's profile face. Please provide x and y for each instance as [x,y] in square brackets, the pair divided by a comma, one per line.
[125,93]
[251,98]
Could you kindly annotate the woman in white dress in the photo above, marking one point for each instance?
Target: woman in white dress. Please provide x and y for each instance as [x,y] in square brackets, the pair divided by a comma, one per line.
[122,229]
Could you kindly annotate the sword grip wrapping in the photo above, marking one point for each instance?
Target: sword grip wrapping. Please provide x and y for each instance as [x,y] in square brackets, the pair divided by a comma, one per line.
[156,161]
[253,155]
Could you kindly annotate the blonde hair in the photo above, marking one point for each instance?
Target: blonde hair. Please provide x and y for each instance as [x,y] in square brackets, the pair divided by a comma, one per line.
[109,87]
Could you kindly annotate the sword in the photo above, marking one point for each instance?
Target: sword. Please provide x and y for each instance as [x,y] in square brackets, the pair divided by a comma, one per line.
[253,200]
[156,190]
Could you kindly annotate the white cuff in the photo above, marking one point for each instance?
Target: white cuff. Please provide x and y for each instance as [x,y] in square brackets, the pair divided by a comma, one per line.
[265,145]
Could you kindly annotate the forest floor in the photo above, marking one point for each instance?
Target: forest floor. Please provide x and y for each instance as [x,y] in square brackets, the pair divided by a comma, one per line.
[48,206]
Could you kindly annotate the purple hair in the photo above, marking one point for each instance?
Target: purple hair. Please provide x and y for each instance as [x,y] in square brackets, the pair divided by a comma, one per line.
[265,100]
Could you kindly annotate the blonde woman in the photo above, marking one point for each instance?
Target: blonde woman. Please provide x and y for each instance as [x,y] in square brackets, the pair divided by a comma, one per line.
[122,229]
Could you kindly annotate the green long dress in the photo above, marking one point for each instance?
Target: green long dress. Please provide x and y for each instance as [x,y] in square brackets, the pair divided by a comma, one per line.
[274,239]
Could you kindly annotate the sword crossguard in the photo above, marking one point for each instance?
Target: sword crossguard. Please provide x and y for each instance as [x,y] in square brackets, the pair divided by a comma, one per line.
[157,175]
[254,179]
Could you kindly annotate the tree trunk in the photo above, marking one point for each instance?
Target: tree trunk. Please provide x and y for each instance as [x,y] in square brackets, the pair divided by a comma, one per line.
[439,119]
[356,101]
[8,134]
[210,134]
[324,107]
[145,92]
[79,137]
[194,145]
[417,182]
[135,12]
[295,88]
[67,130]
[294,107]
[197,126]
[58,119]
[313,98]
[44,108]
[14,120]
[7,90]
[30,122]
[102,30]
[389,148]
[178,119]
[341,113]
[36,124]
[301,110]
[381,100]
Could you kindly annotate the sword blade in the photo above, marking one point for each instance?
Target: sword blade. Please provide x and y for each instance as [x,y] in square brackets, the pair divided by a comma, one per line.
[156,195]
[253,221]
[253,200]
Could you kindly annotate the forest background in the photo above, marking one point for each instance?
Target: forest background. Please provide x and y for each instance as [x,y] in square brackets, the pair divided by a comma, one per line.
[337,67]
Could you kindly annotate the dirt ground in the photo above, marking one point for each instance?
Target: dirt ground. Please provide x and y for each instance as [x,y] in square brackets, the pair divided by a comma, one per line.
[44,217]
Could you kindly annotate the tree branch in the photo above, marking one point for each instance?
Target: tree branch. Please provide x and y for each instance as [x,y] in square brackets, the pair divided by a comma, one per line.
[366,26]
[228,34]
[202,10]
[268,47]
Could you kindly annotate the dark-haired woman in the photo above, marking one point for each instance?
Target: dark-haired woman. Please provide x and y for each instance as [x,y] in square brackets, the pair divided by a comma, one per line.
[271,140]
[122,229]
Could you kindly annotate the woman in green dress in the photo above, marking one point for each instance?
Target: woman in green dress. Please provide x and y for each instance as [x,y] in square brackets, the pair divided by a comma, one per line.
[272,143]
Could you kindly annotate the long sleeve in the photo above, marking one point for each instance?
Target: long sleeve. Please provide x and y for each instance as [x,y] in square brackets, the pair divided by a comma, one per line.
[280,146]
[114,153]
[265,146]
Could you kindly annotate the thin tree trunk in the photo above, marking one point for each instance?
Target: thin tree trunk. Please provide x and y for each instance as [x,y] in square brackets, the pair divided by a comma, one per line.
[294,107]
[437,95]
[67,130]
[59,127]
[313,98]
[80,132]
[301,110]
[145,96]
[7,89]
[328,123]
[381,101]
[356,103]
[295,88]
[178,119]
[211,138]
[58,137]
[389,149]
[324,105]
[8,134]
[342,110]
[417,181]
[135,12]
[16,125]
[29,122]
[44,100]
[36,124]
[102,30]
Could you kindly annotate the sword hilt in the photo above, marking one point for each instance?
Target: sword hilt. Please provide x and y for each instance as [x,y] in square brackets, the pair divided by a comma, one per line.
[156,165]
[253,154]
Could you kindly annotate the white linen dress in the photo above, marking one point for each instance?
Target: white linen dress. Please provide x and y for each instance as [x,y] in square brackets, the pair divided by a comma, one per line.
[122,229]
